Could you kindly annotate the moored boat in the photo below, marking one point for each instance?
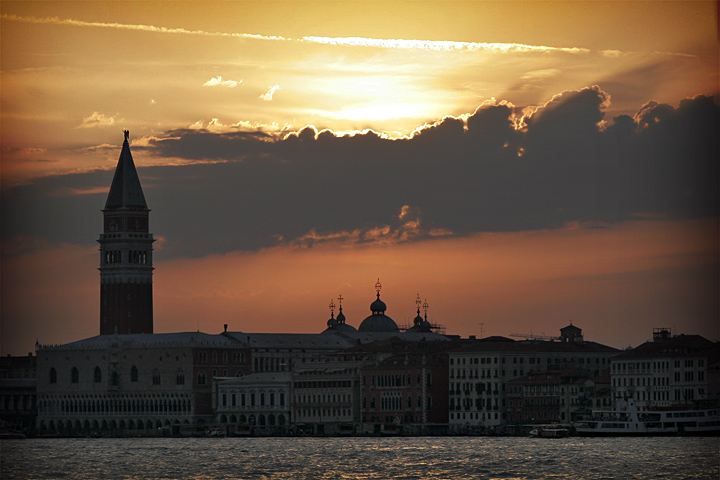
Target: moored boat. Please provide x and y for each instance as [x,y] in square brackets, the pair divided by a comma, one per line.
[628,421]
[550,431]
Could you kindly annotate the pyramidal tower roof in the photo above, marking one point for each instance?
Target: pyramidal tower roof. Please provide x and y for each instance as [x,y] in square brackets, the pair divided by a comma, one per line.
[125,191]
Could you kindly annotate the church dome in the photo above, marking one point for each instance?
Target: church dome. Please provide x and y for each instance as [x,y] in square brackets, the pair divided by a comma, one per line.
[378,321]
[378,306]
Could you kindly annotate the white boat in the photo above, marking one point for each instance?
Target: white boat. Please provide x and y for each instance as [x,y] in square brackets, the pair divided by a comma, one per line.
[628,421]
[550,431]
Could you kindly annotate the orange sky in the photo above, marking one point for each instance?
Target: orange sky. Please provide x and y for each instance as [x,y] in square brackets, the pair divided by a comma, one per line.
[74,74]
[616,283]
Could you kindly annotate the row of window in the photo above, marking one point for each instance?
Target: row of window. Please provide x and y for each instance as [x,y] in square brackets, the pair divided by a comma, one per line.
[324,398]
[477,387]
[324,384]
[531,360]
[478,404]
[253,399]
[396,380]
[663,365]
[394,403]
[115,405]
[238,357]
[115,376]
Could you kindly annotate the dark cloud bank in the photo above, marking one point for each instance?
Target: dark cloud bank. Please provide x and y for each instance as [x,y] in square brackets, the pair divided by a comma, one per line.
[456,176]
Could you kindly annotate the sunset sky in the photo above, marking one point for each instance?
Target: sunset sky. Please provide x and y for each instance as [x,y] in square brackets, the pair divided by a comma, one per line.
[520,165]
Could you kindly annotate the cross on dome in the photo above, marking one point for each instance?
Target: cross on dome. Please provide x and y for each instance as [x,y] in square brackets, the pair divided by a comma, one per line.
[332,307]
[378,287]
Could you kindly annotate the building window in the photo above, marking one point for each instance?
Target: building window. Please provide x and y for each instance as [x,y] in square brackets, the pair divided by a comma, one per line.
[74,375]
[180,377]
[202,378]
[53,375]
[97,375]
[156,377]
[114,379]
[282,399]
[134,374]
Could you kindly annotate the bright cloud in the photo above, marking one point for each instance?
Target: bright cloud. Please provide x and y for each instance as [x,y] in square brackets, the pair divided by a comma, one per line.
[441,45]
[269,95]
[97,119]
[219,82]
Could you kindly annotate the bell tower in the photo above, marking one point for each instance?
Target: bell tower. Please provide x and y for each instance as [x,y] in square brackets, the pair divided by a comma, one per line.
[126,304]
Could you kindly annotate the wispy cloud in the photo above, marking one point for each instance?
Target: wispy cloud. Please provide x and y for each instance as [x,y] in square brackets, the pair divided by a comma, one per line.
[345,41]
[97,119]
[219,82]
[269,95]
[144,28]
[441,45]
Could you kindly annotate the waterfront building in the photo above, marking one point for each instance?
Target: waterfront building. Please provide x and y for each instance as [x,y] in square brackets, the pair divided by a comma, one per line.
[325,399]
[259,403]
[667,371]
[407,389]
[133,383]
[479,371]
[18,398]
[556,396]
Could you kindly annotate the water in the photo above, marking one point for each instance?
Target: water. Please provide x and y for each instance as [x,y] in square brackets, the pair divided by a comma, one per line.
[361,458]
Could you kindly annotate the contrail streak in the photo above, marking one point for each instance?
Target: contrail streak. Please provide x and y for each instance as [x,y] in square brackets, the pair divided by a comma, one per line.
[344,41]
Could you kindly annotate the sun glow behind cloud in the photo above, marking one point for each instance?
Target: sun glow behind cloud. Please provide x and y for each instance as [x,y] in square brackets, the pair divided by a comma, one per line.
[72,81]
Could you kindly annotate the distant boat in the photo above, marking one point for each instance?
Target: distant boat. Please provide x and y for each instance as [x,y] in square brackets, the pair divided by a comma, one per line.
[11,435]
[627,421]
[550,431]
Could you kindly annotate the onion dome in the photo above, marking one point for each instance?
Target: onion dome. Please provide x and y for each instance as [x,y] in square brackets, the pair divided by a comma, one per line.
[378,306]
[332,322]
[421,324]
[341,317]
[378,321]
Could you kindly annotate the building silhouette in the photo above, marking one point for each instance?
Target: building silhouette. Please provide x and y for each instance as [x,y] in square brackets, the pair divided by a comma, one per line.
[379,378]
[126,302]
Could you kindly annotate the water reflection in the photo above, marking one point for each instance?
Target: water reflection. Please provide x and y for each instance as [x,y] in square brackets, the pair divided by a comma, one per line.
[361,458]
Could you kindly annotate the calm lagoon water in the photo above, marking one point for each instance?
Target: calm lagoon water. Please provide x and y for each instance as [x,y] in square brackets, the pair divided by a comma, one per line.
[361,458]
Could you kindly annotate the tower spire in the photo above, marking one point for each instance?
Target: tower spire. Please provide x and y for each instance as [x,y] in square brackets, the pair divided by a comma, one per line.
[125,190]
[126,304]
